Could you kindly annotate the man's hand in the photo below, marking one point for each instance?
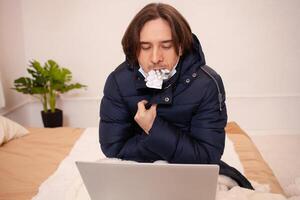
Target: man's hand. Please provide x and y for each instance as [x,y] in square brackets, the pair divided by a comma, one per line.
[144,117]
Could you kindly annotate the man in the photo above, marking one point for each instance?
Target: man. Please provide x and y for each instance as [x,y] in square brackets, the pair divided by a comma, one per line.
[179,118]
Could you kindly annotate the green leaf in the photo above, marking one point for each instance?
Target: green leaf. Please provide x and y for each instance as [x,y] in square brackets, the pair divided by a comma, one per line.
[47,81]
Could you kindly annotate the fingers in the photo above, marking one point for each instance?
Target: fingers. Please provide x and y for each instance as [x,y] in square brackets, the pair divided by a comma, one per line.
[144,101]
[144,117]
[141,105]
[153,107]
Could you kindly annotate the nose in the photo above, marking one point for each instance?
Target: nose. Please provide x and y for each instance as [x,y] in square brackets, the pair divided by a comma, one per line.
[157,56]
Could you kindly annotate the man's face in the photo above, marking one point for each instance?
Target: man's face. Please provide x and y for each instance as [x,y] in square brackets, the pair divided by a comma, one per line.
[157,50]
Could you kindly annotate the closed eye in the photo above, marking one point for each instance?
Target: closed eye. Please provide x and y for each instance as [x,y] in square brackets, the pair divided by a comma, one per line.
[167,46]
[145,46]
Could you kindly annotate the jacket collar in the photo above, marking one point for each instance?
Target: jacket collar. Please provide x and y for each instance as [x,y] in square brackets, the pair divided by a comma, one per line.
[160,96]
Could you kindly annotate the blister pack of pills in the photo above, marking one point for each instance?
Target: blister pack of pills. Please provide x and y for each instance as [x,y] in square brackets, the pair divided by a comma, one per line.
[155,78]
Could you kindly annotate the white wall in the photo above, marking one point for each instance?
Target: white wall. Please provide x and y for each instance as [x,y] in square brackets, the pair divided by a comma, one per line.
[254,45]
[12,52]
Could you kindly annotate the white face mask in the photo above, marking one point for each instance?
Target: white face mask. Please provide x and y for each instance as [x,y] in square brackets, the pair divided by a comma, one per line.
[154,78]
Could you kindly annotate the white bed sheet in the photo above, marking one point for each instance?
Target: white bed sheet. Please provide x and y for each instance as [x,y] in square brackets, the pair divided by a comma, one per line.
[66,184]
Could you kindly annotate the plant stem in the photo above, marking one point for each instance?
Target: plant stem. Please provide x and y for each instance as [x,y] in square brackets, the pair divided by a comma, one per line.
[52,100]
[44,100]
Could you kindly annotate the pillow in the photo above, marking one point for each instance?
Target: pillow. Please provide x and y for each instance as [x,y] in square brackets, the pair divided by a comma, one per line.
[10,130]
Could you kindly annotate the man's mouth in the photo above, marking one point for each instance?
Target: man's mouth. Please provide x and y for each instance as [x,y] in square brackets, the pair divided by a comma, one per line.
[160,67]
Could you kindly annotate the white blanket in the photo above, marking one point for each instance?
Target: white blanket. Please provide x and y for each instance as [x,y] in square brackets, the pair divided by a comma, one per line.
[66,183]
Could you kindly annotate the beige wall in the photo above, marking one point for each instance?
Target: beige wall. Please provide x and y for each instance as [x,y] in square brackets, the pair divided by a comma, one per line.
[254,45]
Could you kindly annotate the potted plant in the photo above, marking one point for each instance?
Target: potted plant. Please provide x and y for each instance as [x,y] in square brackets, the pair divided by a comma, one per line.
[46,83]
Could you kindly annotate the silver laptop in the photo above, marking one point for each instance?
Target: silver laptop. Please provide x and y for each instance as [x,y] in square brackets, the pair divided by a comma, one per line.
[148,181]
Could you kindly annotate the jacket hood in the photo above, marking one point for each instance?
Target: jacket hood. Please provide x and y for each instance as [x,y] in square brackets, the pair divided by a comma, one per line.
[196,56]
[198,50]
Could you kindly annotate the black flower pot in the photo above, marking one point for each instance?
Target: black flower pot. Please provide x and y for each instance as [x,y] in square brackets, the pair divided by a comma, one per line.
[51,119]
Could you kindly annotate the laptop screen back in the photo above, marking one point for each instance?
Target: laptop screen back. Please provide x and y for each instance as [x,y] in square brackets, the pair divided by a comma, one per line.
[146,181]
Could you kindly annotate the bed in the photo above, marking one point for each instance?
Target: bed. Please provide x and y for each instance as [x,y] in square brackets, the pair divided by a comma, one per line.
[26,162]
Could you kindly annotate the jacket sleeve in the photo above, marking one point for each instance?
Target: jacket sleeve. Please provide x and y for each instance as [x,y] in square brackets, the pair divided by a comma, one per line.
[116,131]
[204,143]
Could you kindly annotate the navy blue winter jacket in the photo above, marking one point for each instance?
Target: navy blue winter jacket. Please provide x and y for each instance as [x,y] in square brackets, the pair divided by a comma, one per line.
[190,120]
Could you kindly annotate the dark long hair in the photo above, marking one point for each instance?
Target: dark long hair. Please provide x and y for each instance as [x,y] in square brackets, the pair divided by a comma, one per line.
[181,31]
